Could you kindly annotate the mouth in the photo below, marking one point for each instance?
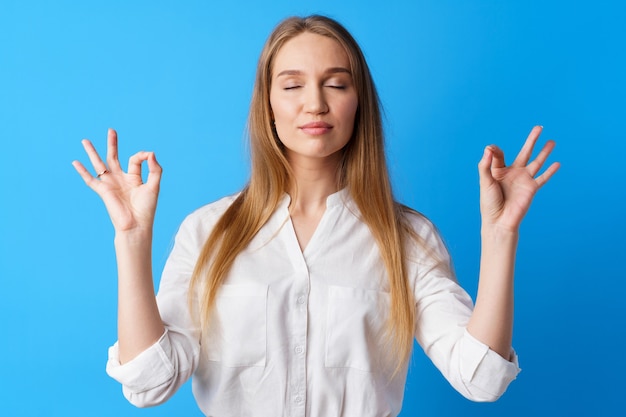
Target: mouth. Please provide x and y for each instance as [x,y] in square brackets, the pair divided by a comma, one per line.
[316,128]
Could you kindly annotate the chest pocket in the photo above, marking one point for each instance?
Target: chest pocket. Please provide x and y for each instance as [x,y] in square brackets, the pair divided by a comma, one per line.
[355,325]
[238,329]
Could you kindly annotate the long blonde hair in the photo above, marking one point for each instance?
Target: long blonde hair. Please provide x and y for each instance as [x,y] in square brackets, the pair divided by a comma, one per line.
[363,172]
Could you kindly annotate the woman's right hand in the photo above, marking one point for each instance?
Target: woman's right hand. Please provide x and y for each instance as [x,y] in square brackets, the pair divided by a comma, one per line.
[130,202]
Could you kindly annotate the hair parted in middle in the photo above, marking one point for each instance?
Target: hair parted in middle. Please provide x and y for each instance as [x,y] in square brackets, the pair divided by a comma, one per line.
[363,172]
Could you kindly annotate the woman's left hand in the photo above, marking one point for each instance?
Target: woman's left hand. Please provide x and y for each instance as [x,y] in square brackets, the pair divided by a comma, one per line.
[507,192]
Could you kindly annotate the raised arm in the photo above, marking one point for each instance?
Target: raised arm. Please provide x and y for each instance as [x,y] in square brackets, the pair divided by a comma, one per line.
[131,204]
[505,196]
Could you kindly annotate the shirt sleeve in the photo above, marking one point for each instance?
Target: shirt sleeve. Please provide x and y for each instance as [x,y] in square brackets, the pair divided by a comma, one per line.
[156,374]
[443,312]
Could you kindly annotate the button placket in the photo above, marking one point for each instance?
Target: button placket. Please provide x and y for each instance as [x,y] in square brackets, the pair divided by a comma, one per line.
[300,323]
[299,326]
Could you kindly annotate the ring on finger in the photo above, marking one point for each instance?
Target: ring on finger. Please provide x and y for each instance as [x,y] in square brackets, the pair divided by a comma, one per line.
[105,171]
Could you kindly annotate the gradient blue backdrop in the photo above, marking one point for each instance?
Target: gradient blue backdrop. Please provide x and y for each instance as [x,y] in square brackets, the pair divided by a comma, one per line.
[175,77]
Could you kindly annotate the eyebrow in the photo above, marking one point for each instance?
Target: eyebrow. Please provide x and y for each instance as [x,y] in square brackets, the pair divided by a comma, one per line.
[333,70]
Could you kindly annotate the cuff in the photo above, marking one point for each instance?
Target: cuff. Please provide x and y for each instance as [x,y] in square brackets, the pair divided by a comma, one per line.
[148,370]
[485,373]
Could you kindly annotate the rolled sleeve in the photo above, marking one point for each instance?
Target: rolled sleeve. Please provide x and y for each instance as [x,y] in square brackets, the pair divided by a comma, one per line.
[485,374]
[148,370]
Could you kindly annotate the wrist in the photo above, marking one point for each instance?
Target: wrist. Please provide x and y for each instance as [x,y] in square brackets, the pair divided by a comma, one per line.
[499,233]
[133,236]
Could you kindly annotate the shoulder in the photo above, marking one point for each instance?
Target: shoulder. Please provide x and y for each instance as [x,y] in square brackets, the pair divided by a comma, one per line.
[212,210]
[424,241]
[416,221]
[199,223]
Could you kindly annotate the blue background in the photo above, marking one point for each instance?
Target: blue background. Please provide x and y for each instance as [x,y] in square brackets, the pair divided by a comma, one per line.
[176,77]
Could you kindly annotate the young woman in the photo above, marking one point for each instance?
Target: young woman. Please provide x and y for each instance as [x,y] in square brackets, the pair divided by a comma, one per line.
[302,294]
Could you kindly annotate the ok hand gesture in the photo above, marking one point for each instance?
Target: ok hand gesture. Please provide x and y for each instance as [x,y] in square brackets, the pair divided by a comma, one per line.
[130,202]
[507,192]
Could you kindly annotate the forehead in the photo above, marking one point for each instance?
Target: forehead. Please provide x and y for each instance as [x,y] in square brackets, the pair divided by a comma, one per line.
[310,52]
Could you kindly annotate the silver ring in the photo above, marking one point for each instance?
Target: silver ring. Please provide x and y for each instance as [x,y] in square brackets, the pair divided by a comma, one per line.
[106,171]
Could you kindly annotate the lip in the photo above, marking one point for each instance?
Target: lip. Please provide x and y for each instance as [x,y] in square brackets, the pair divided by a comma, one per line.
[316,128]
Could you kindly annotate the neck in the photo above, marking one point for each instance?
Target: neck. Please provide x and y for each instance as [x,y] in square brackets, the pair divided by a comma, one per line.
[315,180]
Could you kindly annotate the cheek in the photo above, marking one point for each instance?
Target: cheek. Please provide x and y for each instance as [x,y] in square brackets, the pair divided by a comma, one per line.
[279,110]
[349,110]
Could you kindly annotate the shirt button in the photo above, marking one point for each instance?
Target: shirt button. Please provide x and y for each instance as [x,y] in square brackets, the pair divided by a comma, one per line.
[301,299]
[299,350]
[298,399]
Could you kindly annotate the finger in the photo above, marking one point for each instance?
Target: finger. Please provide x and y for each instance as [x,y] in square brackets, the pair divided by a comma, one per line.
[154,171]
[84,174]
[497,158]
[135,161]
[545,177]
[541,158]
[95,159]
[112,153]
[527,149]
[484,168]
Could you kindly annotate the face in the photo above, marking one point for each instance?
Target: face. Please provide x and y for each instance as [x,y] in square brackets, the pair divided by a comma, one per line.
[313,98]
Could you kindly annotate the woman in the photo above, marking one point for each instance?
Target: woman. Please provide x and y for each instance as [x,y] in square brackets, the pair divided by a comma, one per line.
[302,294]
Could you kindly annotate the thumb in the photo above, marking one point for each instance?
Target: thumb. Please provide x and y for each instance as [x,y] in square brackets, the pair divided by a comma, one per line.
[484,168]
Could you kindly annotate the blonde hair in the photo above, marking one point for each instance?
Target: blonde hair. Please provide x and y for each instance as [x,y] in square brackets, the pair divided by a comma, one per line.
[363,171]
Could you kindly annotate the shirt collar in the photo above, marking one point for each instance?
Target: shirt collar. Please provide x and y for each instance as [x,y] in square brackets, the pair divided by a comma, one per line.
[340,197]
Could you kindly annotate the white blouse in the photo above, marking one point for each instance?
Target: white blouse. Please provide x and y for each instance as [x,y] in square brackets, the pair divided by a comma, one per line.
[301,333]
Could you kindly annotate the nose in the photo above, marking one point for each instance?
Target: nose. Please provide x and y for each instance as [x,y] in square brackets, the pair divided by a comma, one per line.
[315,101]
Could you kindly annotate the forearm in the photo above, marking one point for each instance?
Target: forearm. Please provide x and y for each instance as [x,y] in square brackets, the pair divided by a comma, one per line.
[492,319]
[139,321]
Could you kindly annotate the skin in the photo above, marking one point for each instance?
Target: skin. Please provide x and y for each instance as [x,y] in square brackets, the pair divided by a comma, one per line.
[311,82]
[131,204]
[313,65]
[505,197]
